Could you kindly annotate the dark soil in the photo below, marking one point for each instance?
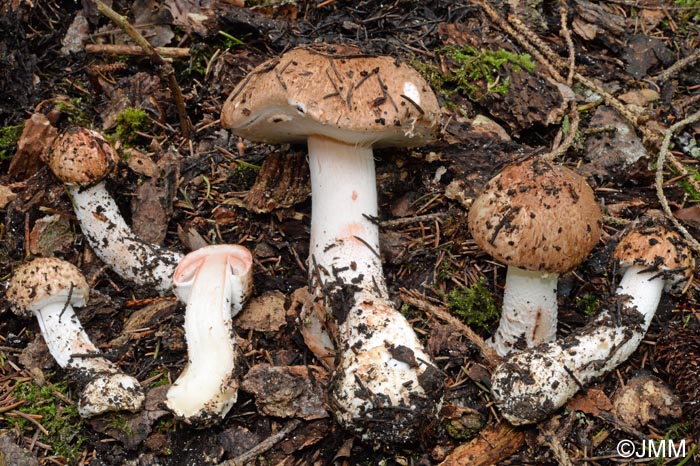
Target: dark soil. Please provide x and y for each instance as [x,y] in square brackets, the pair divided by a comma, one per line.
[183,193]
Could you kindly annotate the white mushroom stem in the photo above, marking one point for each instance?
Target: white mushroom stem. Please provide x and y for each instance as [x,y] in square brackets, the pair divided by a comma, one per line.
[382,362]
[530,385]
[529,315]
[72,349]
[116,244]
[214,282]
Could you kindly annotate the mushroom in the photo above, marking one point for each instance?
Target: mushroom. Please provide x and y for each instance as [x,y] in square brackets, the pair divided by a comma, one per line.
[541,220]
[49,288]
[82,159]
[342,106]
[531,385]
[214,282]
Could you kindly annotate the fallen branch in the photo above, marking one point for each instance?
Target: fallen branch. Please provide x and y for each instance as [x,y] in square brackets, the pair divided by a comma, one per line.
[493,446]
[123,49]
[489,354]
[678,66]
[660,161]
[165,67]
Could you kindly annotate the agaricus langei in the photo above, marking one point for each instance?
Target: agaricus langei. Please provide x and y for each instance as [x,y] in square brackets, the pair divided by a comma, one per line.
[214,282]
[342,105]
[82,159]
[540,219]
[531,385]
[49,288]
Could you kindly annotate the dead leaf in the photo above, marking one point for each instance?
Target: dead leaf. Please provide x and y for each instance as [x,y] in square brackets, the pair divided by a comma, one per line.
[643,54]
[493,445]
[134,91]
[592,401]
[264,313]
[141,163]
[611,152]
[641,97]
[237,440]
[689,215]
[314,327]
[288,391]
[304,436]
[75,36]
[6,196]
[152,204]
[148,316]
[49,235]
[35,139]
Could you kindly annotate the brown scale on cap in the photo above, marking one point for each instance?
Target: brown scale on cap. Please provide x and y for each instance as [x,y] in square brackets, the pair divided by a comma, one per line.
[655,247]
[44,279]
[537,216]
[81,156]
[349,97]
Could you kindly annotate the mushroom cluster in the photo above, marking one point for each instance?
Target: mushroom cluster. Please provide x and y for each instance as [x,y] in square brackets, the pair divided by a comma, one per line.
[49,288]
[342,105]
[532,384]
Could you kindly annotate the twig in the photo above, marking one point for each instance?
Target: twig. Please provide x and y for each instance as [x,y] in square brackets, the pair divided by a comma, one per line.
[660,161]
[564,13]
[263,446]
[415,219]
[489,354]
[676,67]
[124,49]
[165,67]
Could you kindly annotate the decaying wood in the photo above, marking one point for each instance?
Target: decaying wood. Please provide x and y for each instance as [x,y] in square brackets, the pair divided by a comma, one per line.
[493,445]
[122,49]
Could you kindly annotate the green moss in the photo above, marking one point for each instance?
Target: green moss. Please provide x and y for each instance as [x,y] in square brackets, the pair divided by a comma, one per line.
[9,136]
[588,304]
[61,420]
[474,72]
[474,304]
[130,122]
[162,379]
[73,109]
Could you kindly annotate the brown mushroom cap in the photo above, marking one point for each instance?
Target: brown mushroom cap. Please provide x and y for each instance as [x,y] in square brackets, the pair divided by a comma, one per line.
[46,280]
[81,156]
[655,247]
[537,216]
[358,99]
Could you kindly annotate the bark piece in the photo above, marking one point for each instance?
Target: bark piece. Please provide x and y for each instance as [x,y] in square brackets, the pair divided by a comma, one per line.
[492,446]
[283,181]
[36,137]
[291,391]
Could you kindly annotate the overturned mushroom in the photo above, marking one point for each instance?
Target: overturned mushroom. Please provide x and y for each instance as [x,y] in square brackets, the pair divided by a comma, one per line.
[530,385]
[49,288]
[82,159]
[541,220]
[342,106]
[214,282]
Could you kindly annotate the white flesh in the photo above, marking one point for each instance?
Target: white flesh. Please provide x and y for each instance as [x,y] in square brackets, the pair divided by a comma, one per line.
[67,341]
[214,288]
[532,384]
[529,313]
[345,251]
[116,244]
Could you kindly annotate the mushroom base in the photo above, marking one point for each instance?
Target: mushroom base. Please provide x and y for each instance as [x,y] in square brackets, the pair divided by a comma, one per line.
[531,385]
[385,387]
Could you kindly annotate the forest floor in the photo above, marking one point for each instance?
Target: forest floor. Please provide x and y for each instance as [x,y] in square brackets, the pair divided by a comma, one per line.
[503,74]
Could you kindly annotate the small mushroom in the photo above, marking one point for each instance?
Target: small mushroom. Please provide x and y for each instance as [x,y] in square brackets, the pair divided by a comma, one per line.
[531,385]
[541,220]
[82,159]
[341,106]
[214,282]
[49,288]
